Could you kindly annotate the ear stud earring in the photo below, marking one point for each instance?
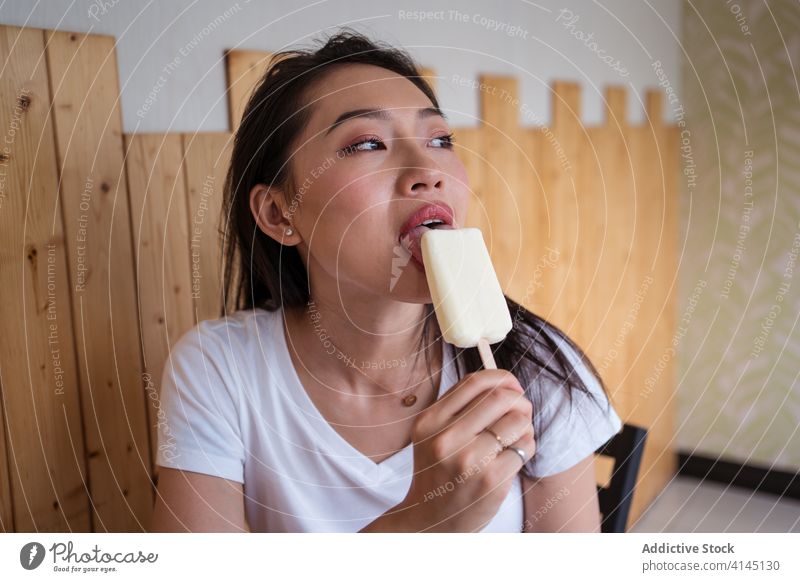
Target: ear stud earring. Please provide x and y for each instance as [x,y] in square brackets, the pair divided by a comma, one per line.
[288,232]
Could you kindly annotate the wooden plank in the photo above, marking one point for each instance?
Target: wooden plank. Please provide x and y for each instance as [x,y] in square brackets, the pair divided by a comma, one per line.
[652,404]
[244,70]
[83,75]
[207,157]
[613,324]
[538,257]
[616,106]
[6,500]
[469,148]
[507,205]
[41,413]
[607,216]
[560,166]
[160,226]
[604,469]
[430,76]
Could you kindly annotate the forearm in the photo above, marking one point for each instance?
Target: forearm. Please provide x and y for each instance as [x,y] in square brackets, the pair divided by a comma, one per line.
[565,502]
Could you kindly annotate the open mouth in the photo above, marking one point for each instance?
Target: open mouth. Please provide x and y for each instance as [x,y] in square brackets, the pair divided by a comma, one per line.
[411,238]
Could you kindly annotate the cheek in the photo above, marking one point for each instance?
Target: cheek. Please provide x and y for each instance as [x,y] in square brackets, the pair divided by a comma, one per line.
[350,218]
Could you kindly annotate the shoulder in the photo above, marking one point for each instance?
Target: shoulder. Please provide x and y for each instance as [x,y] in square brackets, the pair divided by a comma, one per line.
[219,348]
[557,367]
[235,330]
[569,390]
[573,413]
[579,381]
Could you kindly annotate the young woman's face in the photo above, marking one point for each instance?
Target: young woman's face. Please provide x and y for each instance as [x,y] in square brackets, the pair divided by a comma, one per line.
[358,182]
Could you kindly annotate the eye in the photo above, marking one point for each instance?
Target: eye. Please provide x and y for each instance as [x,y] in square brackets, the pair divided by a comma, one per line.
[448,140]
[356,147]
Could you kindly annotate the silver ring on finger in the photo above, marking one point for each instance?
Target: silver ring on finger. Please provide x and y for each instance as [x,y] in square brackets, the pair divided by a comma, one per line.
[519,451]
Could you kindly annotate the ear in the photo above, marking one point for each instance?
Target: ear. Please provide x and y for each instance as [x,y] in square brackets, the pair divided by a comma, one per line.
[269,210]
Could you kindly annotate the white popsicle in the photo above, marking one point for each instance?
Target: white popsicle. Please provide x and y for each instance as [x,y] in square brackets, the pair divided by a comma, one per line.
[467,297]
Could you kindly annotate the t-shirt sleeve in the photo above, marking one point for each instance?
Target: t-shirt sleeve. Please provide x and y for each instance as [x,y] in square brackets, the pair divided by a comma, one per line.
[198,419]
[570,432]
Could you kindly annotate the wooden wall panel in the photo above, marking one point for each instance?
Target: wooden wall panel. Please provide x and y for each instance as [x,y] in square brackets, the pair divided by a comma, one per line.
[244,70]
[560,166]
[42,460]
[160,227]
[607,221]
[207,156]
[576,218]
[509,212]
[84,80]
[469,146]
[656,257]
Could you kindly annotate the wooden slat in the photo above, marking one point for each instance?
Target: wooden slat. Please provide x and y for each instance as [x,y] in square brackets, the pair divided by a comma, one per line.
[654,107]
[560,167]
[604,468]
[84,78]
[161,242]
[430,76]
[655,158]
[469,148]
[41,412]
[611,321]
[207,157]
[244,70]
[607,216]
[537,254]
[510,210]
[616,98]
[6,508]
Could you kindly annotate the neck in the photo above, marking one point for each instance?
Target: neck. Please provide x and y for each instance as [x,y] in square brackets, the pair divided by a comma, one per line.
[367,350]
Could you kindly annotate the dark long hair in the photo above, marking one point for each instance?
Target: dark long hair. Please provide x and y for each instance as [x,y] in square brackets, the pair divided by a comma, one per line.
[261,272]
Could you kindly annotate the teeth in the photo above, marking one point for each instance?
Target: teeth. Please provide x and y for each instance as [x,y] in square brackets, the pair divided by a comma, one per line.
[432,221]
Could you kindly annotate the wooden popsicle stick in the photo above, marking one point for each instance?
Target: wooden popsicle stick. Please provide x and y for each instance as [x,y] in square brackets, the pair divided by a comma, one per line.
[486,354]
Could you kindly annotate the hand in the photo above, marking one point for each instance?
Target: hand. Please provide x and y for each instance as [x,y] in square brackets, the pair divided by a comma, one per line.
[461,473]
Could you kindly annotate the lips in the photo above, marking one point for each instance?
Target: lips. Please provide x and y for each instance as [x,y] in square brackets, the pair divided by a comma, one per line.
[438,215]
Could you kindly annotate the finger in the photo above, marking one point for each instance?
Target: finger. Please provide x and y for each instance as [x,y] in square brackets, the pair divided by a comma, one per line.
[489,407]
[457,398]
[511,427]
[509,462]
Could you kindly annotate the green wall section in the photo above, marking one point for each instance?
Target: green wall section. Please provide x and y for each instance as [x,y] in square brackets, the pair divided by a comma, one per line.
[739,360]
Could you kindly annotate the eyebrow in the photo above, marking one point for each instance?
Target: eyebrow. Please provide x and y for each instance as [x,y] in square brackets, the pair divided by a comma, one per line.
[382,114]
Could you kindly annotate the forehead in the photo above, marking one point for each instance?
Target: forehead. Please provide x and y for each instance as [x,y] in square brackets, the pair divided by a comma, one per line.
[357,86]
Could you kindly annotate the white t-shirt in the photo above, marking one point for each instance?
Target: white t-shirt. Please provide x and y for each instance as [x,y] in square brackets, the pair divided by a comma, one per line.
[232,406]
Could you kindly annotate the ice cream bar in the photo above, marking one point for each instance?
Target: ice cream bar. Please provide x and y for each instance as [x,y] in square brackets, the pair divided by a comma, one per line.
[469,303]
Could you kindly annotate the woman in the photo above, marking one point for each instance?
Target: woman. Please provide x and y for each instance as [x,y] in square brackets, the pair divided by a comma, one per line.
[328,399]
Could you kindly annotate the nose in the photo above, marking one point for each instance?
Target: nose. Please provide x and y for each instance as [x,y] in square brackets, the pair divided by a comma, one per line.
[419,173]
[420,176]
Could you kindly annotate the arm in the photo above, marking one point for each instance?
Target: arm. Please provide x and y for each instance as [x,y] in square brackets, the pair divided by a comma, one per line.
[188,501]
[564,502]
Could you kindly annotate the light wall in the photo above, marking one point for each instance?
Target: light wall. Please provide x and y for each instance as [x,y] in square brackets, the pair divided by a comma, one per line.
[739,359]
[172,75]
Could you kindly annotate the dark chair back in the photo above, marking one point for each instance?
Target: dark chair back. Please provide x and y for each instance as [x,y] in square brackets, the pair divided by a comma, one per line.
[626,448]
